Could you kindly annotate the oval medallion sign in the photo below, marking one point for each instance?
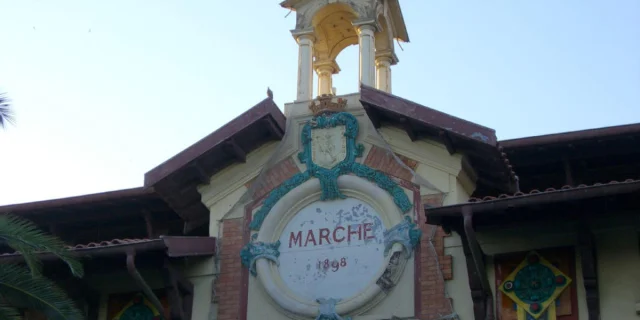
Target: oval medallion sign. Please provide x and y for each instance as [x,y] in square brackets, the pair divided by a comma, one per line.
[332,249]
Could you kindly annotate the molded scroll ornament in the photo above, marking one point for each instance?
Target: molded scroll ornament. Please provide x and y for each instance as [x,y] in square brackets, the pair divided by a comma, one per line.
[255,250]
[327,310]
[534,286]
[319,136]
[406,233]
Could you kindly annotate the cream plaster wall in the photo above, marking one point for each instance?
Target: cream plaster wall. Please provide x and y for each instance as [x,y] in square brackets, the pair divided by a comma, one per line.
[619,273]
[442,172]
[618,252]
[500,241]
[399,303]
[445,172]
[618,260]
[198,270]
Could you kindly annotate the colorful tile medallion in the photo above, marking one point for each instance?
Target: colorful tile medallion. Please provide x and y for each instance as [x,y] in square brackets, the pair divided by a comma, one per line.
[535,285]
[139,308]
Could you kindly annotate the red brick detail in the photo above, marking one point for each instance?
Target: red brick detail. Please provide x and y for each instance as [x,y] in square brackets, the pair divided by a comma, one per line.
[274,176]
[434,267]
[250,183]
[229,285]
[432,200]
[378,158]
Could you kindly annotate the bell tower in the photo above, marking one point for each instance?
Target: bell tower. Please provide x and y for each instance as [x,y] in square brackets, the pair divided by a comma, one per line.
[326,27]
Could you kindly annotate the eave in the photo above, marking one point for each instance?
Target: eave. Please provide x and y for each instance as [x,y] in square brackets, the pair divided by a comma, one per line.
[507,208]
[172,246]
[476,142]
[571,137]
[176,179]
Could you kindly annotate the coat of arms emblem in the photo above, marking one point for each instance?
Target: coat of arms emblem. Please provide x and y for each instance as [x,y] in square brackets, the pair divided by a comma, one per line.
[328,146]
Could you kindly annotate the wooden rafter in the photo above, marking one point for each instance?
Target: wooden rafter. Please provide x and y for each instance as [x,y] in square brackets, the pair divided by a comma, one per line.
[234,148]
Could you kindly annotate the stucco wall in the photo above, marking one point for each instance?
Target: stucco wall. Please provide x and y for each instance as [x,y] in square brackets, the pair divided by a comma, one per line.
[433,163]
[619,272]
[618,259]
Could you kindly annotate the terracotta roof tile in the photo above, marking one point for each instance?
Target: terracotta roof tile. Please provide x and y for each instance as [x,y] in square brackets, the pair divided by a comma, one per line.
[110,243]
[94,245]
[547,190]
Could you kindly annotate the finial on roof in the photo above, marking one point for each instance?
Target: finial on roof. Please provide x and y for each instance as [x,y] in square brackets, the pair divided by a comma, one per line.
[269,93]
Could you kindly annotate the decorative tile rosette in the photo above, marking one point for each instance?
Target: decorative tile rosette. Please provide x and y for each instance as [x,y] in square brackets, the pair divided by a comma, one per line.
[138,308]
[535,285]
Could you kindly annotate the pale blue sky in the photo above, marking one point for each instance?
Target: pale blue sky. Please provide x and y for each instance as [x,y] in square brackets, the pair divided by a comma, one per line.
[106,90]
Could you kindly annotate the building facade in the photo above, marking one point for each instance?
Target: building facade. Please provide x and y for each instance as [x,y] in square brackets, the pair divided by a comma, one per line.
[364,206]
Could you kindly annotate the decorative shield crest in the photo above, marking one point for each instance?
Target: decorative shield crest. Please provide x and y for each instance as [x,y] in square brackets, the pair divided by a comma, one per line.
[329,150]
[328,146]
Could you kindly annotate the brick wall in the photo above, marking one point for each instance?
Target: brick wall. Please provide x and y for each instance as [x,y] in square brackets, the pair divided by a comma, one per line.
[431,281]
[430,290]
[274,176]
[228,284]
[231,283]
[433,267]
[379,159]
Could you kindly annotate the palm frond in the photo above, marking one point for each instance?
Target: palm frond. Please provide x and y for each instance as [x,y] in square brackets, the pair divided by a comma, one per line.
[6,113]
[9,313]
[27,239]
[20,289]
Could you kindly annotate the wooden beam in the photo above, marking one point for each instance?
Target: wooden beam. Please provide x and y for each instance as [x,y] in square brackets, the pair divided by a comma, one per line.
[493,184]
[273,128]
[586,246]
[405,124]
[82,293]
[173,295]
[446,139]
[373,116]
[477,294]
[179,292]
[614,151]
[149,223]
[204,177]
[568,173]
[234,148]
[93,306]
[478,279]
[195,223]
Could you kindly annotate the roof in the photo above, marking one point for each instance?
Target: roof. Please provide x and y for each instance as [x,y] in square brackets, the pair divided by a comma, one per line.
[177,178]
[110,198]
[535,198]
[96,209]
[578,157]
[477,142]
[572,136]
[174,247]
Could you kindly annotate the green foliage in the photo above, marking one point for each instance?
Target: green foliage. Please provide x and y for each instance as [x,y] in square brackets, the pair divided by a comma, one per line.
[9,313]
[19,288]
[6,114]
[24,237]
[22,287]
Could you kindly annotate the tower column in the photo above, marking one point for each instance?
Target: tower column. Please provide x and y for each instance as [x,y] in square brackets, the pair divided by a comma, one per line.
[384,61]
[305,66]
[366,40]
[325,71]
